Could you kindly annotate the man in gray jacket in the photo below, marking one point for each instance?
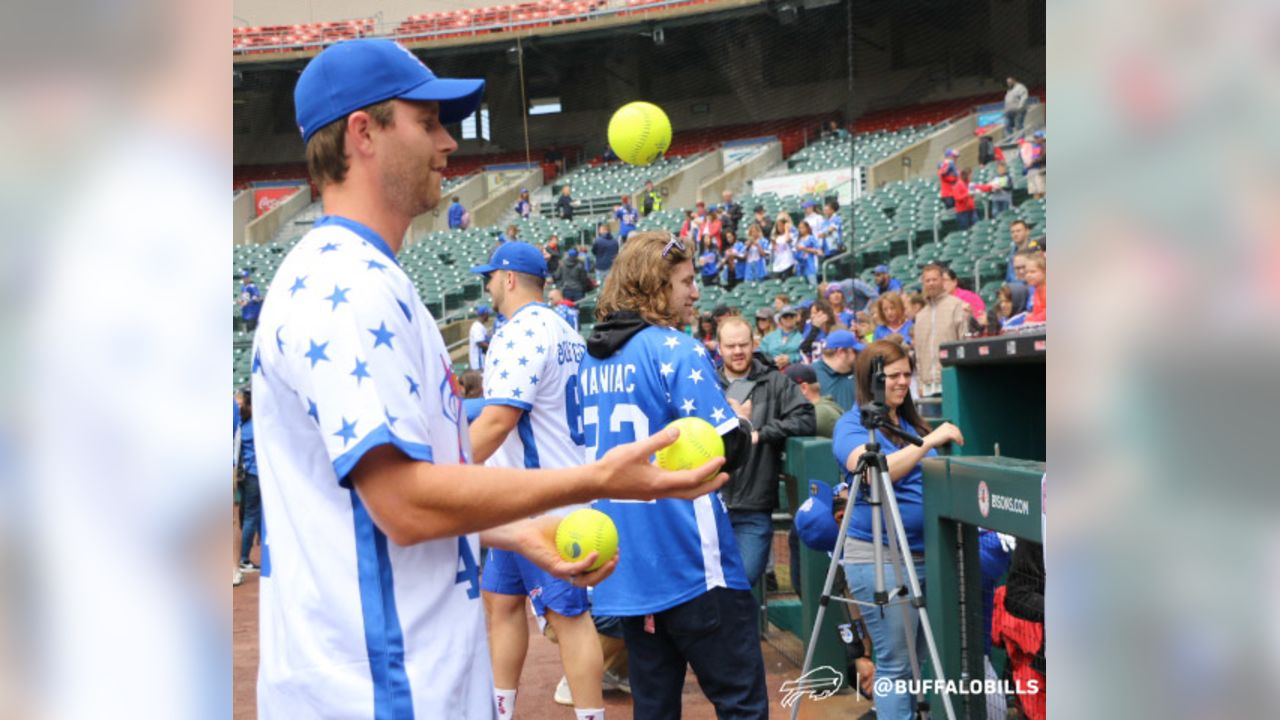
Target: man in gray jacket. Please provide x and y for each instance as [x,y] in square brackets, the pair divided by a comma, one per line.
[1015,107]
[777,410]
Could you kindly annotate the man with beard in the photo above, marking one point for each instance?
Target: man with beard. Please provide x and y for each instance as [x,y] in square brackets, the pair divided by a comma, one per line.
[777,410]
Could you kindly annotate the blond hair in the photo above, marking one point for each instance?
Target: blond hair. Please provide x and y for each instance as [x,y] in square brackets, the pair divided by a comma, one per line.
[640,280]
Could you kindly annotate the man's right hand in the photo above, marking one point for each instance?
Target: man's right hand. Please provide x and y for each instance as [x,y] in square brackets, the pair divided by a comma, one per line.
[627,474]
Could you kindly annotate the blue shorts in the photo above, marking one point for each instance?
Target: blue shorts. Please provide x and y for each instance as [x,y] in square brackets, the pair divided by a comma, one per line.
[509,573]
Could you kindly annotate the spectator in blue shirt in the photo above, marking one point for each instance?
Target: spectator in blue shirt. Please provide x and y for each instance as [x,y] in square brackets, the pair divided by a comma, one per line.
[250,303]
[709,262]
[456,211]
[888,630]
[524,208]
[251,495]
[886,282]
[628,217]
[832,231]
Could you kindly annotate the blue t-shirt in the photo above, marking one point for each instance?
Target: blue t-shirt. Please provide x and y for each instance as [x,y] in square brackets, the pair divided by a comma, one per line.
[524,208]
[894,286]
[673,550]
[909,491]
[252,301]
[605,249]
[808,264]
[883,331]
[568,312]
[832,235]
[455,215]
[713,265]
[247,457]
[739,249]
[627,217]
[473,407]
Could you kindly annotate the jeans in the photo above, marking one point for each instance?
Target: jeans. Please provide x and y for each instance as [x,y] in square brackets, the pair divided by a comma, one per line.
[754,532]
[1013,120]
[1000,204]
[601,275]
[718,634]
[251,523]
[888,636]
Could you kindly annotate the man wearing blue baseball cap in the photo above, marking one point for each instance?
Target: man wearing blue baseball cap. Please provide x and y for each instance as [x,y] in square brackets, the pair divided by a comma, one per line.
[835,368]
[885,282]
[370,587]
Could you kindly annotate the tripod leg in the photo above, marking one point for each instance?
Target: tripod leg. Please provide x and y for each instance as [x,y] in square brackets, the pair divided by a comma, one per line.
[836,554]
[909,628]
[916,595]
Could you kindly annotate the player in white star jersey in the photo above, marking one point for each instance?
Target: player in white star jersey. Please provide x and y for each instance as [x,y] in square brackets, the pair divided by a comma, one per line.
[370,598]
[532,418]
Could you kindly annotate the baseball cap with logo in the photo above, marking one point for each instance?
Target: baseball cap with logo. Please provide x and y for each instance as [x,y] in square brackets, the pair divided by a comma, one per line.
[355,74]
[815,522]
[515,256]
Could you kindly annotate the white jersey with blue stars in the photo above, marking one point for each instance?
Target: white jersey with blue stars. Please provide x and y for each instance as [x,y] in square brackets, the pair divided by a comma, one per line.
[346,359]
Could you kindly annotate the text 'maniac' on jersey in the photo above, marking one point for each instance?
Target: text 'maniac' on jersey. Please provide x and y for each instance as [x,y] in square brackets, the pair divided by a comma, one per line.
[347,359]
[670,551]
[532,365]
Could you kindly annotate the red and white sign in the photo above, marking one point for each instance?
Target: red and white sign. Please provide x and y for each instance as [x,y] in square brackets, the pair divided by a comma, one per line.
[984,498]
[265,199]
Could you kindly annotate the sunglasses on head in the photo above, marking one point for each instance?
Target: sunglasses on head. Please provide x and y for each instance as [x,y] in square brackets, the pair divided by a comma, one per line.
[676,243]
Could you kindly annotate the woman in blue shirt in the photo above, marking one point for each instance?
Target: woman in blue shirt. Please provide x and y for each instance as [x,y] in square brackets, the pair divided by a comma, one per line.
[848,442]
[709,262]
[893,316]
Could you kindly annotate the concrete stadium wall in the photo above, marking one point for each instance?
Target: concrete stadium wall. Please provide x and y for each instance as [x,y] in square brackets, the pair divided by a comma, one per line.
[264,228]
[241,214]
[471,193]
[737,176]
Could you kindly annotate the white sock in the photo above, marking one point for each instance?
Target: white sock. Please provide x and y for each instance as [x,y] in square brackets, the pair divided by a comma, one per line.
[506,700]
[597,714]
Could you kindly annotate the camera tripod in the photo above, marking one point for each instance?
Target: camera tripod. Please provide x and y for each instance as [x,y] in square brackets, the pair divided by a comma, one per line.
[872,472]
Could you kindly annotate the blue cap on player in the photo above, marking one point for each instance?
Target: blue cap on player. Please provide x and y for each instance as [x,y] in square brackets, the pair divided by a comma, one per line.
[515,256]
[355,74]
[814,521]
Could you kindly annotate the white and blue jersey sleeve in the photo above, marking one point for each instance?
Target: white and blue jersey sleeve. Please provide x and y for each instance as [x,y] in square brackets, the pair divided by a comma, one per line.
[672,550]
[350,360]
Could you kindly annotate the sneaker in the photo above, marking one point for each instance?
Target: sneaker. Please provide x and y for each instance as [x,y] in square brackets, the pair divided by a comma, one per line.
[612,681]
[562,695]
[236,578]
[248,566]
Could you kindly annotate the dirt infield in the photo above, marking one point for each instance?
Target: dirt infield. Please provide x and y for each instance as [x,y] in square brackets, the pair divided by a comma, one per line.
[541,673]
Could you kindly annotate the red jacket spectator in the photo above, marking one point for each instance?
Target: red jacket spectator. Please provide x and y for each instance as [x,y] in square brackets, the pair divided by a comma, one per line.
[964,199]
[947,175]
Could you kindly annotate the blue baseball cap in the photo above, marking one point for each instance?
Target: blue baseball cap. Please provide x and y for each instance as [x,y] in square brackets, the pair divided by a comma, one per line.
[482,310]
[841,339]
[354,74]
[808,204]
[805,304]
[815,523]
[881,269]
[951,153]
[516,256]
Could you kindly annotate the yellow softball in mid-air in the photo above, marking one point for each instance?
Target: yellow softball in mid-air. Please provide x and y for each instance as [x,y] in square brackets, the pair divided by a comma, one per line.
[639,133]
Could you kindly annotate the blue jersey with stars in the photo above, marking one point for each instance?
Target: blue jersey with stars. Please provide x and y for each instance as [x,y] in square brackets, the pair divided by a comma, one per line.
[532,365]
[347,359]
[672,550]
